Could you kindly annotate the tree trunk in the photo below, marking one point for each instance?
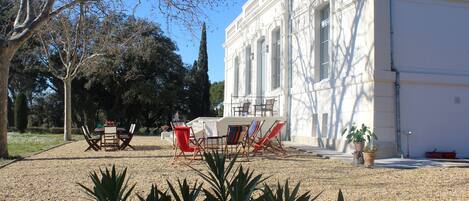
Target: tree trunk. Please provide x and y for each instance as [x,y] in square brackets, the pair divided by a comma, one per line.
[67,109]
[6,55]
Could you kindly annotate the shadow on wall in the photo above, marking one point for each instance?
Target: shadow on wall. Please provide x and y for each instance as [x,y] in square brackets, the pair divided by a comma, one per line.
[346,63]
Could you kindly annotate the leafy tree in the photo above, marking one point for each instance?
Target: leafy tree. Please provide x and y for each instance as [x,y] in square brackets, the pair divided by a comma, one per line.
[193,92]
[47,110]
[20,20]
[217,96]
[21,112]
[145,83]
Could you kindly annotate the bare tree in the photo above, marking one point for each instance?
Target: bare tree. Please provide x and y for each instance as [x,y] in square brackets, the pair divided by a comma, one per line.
[29,20]
[21,29]
[72,37]
[75,40]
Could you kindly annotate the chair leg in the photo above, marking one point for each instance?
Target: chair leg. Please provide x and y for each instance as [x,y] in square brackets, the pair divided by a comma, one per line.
[89,147]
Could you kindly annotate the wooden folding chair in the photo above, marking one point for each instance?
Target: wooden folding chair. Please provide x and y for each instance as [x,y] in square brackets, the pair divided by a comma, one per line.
[127,137]
[270,141]
[110,139]
[91,140]
[182,134]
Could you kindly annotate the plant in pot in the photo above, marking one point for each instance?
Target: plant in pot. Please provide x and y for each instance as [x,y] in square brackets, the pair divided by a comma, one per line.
[358,136]
[369,153]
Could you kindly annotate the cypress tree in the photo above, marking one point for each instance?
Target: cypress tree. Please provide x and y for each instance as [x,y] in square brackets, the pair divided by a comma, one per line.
[11,116]
[202,78]
[21,113]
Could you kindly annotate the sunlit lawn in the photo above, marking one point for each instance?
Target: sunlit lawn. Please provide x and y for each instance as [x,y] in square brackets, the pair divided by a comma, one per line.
[26,144]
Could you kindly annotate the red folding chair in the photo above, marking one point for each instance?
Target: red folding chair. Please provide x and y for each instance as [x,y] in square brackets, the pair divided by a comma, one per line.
[182,134]
[270,141]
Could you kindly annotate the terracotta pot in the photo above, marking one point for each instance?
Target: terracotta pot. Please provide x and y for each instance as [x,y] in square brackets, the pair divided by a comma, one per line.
[369,159]
[359,146]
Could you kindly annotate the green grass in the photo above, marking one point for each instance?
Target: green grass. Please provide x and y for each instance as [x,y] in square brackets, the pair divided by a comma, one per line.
[26,144]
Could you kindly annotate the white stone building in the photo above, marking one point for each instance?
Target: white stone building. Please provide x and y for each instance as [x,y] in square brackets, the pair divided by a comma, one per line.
[398,66]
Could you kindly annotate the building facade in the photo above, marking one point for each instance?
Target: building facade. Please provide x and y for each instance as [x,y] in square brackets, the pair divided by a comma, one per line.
[399,66]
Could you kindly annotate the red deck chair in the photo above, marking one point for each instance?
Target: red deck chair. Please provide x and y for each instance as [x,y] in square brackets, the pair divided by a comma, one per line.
[268,141]
[182,134]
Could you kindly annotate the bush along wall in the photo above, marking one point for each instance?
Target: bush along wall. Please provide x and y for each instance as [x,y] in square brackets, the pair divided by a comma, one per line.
[225,182]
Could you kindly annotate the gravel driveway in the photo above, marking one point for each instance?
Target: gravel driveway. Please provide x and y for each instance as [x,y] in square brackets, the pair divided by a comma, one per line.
[52,175]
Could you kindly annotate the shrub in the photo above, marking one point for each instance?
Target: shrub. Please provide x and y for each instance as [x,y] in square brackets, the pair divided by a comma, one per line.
[110,186]
[225,182]
[21,113]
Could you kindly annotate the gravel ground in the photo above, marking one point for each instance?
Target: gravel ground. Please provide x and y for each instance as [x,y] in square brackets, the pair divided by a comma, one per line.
[53,175]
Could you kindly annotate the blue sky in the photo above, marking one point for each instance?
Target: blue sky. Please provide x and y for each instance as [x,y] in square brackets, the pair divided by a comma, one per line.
[188,45]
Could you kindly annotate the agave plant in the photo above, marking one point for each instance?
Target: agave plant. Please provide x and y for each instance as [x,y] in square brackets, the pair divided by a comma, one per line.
[217,175]
[187,193]
[283,193]
[112,185]
[155,195]
[225,182]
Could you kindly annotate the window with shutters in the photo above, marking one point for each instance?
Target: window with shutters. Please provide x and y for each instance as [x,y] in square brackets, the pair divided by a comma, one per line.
[276,58]
[236,77]
[248,70]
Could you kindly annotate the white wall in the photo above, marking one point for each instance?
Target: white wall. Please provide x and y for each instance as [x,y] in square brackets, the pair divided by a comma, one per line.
[432,52]
[258,20]
[349,94]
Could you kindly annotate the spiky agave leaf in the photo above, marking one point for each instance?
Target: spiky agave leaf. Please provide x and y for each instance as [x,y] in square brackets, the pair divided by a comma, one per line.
[244,184]
[340,196]
[217,175]
[187,193]
[111,185]
[283,193]
[155,195]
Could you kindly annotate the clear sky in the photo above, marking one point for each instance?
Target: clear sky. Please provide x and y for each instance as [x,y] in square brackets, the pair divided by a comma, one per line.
[188,45]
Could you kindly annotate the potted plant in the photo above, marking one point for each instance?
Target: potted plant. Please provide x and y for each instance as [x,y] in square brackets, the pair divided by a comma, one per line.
[369,154]
[358,136]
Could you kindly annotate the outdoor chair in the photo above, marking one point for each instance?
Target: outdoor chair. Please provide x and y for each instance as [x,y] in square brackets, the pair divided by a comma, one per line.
[242,110]
[91,140]
[110,139]
[182,134]
[174,124]
[234,138]
[264,108]
[127,137]
[251,136]
[193,138]
[270,141]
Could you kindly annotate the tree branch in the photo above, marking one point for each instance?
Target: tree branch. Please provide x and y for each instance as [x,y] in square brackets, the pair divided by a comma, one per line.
[19,14]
